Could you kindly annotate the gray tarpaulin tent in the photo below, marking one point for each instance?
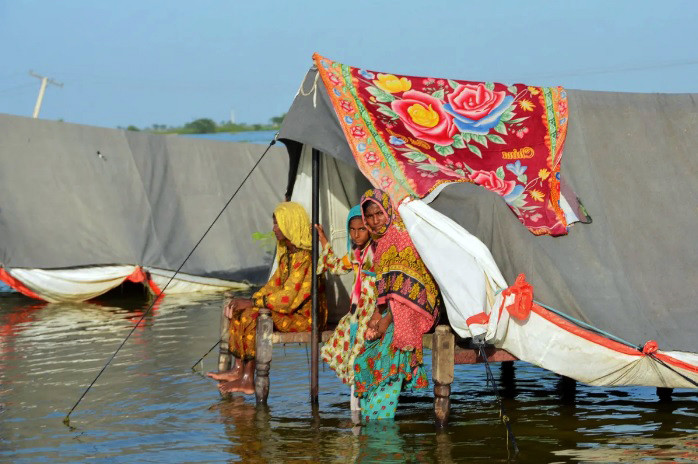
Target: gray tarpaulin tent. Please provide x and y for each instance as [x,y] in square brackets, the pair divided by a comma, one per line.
[76,196]
[631,159]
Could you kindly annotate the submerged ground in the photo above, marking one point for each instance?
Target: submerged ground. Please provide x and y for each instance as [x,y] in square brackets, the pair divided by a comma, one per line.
[150,406]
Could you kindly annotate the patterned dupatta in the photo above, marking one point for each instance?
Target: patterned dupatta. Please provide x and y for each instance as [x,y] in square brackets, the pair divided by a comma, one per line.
[361,258]
[403,281]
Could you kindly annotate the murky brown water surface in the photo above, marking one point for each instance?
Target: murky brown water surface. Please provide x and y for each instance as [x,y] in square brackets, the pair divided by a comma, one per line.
[149,406]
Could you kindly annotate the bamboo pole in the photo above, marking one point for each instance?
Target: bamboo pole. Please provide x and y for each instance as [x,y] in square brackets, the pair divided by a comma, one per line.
[314,339]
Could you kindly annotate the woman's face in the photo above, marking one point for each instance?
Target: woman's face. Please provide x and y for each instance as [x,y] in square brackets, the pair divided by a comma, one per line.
[374,217]
[277,231]
[358,232]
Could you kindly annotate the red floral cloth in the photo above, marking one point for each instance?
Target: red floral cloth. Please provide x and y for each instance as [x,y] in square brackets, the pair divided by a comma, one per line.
[410,135]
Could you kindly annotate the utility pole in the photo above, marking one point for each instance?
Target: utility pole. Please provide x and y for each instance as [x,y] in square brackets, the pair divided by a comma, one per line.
[44,80]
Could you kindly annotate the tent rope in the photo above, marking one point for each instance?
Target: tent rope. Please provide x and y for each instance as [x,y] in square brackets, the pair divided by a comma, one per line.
[205,354]
[511,438]
[688,379]
[66,420]
[589,326]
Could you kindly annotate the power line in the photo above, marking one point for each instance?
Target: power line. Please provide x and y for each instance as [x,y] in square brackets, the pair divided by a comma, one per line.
[16,87]
[591,71]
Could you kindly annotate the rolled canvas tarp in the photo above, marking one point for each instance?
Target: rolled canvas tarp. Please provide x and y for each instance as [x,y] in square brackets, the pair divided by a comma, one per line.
[79,196]
[632,271]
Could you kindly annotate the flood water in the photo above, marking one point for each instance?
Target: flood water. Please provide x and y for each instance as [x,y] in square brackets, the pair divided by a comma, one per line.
[149,406]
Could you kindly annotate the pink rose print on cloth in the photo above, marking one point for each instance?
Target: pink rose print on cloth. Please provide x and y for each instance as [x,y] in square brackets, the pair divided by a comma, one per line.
[346,106]
[477,109]
[386,182]
[371,158]
[490,181]
[425,118]
[358,132]
[334,79]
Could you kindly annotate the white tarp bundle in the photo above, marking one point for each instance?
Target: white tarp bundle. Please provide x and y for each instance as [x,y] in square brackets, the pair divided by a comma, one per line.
[84,206]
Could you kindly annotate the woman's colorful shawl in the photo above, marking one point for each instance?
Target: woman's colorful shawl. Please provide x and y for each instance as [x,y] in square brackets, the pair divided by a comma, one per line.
[411,135]
[403,280]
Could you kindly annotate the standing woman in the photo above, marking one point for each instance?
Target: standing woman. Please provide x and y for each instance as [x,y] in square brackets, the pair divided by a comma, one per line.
[286,295]
[408,302]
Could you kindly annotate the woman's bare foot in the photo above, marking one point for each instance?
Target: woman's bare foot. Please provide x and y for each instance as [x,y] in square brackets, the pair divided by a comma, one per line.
[244,384]
[237,386]
[226,376]
[228,387]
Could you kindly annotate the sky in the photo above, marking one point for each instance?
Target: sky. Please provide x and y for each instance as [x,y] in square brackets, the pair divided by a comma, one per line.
[144,62]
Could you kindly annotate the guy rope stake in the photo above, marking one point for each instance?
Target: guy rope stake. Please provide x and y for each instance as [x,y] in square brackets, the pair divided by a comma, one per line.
[502,413]
[205,354]
[66,420]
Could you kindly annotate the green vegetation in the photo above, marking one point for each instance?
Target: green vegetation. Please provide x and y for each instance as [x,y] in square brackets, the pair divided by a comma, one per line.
[208,126]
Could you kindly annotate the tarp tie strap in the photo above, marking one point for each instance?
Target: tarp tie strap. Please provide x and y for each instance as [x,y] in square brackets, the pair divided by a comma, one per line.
[66,420]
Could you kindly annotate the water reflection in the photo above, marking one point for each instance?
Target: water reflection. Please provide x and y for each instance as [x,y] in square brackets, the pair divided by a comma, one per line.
[380,441]
[247,428]
[149,406]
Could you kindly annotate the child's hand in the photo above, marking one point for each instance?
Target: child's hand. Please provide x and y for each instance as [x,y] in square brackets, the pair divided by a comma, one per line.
[374,327]
[384,323]
[371,334]
[321,234]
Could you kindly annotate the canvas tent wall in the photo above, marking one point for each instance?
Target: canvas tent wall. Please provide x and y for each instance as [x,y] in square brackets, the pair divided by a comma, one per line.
[85,208]
[630,158]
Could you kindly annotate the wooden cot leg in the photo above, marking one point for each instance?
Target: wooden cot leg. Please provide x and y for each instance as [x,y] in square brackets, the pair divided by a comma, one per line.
[264,347]
[568,389]
[224,357]
[508,378]
[442,363]
[664,394]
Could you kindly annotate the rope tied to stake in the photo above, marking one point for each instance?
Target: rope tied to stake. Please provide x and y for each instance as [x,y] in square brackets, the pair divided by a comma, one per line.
[511,438]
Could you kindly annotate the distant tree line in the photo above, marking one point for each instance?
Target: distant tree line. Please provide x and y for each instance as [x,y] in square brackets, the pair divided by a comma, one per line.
[208,126]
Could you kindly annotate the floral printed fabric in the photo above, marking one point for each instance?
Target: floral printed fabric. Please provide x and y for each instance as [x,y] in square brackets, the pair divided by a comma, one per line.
[341,349]
[381,373]
[287,295]
[410,135]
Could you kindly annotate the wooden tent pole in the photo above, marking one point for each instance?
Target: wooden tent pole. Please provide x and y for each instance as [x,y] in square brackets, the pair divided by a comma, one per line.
[314,339]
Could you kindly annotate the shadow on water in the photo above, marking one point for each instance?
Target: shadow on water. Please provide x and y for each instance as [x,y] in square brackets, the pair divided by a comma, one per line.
[149,406]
